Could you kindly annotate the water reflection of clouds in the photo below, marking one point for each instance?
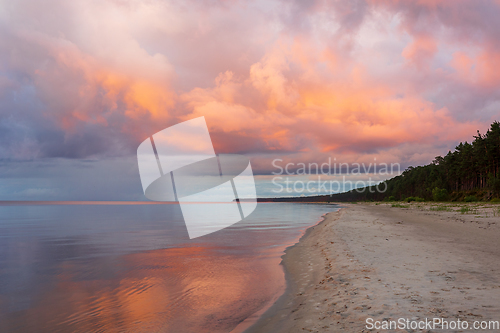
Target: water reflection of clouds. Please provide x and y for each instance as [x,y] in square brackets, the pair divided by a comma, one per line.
[61,275]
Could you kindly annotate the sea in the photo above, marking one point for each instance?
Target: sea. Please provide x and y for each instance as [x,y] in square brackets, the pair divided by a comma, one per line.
[131,267]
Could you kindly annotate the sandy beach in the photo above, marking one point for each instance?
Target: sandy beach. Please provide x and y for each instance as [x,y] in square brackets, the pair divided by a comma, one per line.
[377,261]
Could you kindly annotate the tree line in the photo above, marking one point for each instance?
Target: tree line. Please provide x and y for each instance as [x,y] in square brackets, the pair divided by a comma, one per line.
[472,169]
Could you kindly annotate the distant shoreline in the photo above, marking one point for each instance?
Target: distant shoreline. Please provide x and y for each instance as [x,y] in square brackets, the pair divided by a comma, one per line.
[40,202]
[75,202]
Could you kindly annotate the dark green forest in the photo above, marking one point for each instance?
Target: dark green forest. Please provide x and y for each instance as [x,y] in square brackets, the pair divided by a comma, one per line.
[471,172]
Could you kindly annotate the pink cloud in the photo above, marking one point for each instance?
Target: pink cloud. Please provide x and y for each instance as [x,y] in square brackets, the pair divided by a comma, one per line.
[272,77]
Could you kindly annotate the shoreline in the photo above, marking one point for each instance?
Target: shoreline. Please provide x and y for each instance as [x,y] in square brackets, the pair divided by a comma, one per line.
[247,325]
[375,261]
[268,321]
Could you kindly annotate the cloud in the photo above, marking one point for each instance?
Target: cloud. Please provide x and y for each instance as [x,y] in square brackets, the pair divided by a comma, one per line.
[93,79]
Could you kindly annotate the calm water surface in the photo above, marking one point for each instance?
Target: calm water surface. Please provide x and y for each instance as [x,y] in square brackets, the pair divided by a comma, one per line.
[132,268]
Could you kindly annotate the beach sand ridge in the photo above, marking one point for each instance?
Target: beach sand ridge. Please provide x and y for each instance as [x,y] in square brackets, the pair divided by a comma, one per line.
[376,261]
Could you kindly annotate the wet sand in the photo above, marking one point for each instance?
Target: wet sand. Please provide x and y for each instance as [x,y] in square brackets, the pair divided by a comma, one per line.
[384,262]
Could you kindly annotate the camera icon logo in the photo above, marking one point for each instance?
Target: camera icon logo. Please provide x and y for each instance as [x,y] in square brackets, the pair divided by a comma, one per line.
[179,164]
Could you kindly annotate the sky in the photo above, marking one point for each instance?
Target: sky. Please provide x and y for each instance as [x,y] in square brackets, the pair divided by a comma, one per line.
[84,82]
